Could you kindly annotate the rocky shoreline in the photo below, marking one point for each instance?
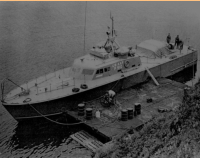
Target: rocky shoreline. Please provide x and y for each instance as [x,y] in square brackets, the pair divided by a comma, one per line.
[169,135]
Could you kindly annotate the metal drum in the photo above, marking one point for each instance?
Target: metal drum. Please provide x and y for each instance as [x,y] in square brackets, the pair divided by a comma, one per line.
[81,109]
[137,108]
[124,115]
[88,113]
[130,113]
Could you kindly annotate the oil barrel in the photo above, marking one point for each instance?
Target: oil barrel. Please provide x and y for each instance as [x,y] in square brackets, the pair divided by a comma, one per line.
[81,109]
[137,108]
[88,113]
[130,113]
[124,115]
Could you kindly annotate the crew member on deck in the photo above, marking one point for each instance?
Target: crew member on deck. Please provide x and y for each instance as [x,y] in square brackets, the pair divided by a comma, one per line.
[181,45]
[176,41]
[168,38]
[111,95]
[109,98]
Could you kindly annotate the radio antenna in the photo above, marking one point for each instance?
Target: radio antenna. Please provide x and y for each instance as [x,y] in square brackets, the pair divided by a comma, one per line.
[111,17]
[85,24]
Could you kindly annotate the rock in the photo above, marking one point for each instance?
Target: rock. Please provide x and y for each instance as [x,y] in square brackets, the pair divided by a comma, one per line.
[106,149]
[113,155]
[144,153]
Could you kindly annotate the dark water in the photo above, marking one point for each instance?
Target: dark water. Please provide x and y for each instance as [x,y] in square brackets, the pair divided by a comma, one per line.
[39,37]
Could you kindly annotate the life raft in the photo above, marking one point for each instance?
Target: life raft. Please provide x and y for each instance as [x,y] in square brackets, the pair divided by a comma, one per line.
[27,100]
[84,86]
[173,57]
[75,90]
[126,64]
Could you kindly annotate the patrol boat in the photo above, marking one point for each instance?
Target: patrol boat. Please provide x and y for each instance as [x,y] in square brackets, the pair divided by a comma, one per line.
[107,66]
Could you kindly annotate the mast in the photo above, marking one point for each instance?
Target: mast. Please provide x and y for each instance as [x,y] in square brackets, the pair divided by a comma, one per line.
[113,34]
[85,24]
[111,17]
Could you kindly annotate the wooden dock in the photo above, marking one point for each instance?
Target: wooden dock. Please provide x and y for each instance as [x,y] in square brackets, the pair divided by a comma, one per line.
[168,95]
[87,140]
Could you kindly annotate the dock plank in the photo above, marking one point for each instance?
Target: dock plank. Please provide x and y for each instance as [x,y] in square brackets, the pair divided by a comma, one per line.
[87,140]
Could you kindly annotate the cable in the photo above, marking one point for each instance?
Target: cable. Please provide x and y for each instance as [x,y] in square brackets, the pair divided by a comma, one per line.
[65,124]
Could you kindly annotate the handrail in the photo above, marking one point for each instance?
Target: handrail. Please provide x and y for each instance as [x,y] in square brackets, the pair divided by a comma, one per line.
[45,77]
[53,89]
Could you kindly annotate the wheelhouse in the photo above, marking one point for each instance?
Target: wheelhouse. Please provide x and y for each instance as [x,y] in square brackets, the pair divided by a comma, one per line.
[105,59]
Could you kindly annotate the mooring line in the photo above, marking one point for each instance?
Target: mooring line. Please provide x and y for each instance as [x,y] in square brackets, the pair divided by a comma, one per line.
[65,124]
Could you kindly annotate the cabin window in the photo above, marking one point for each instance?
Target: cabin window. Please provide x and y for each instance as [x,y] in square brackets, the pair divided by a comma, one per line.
[106,69]
[101,71]
[97,72]
[87,71]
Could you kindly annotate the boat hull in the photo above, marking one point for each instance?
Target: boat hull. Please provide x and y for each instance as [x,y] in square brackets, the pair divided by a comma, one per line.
[56,107]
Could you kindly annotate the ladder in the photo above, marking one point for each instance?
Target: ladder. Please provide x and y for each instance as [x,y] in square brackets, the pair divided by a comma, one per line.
[153,78]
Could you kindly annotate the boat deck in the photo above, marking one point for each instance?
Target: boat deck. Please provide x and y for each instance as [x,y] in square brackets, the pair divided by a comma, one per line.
[59,84]
[167,96]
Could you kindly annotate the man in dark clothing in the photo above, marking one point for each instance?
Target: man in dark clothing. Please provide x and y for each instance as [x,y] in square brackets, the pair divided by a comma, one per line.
[181,44]
[176,41]
[168,38]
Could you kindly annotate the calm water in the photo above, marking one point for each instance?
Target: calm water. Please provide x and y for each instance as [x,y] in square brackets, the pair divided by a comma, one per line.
[39,37]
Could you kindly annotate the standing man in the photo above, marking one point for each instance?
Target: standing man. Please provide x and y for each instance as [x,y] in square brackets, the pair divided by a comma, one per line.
[176,41]
[168,38]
